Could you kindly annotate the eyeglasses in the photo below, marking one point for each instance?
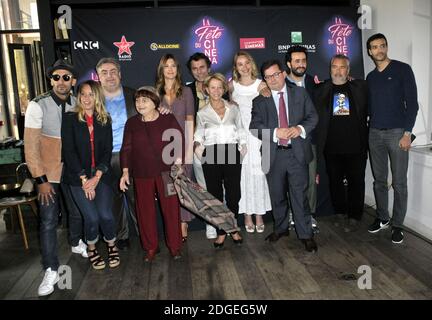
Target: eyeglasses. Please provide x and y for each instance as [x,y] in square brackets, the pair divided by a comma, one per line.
[274,75]
[56,77]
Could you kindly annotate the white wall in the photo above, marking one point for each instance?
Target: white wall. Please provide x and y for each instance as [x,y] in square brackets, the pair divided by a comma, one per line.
[407,24]
[408,28]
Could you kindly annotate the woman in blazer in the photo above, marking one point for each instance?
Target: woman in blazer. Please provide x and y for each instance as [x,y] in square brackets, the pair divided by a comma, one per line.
[87,148]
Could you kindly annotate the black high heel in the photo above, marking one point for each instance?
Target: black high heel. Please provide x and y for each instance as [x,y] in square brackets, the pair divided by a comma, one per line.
[219,245]
[238,241]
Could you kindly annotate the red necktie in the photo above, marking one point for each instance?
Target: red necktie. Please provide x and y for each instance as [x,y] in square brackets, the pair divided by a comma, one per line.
[283,118]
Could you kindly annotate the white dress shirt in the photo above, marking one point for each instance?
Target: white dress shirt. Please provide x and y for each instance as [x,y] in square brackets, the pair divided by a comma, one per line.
[211,129]
[276,97]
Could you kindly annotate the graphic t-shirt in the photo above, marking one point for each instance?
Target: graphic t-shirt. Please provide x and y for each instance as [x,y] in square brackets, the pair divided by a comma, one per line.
[343,132]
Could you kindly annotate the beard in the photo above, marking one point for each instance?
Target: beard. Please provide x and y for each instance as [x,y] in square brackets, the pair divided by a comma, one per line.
[298,73]
[339,79]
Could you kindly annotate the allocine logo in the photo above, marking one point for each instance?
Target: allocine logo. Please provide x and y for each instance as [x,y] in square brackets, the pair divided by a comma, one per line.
[158,46]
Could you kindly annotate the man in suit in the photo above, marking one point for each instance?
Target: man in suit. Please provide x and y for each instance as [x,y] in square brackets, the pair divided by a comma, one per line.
[120,104]
[296,61]
[284,122]
[342,135]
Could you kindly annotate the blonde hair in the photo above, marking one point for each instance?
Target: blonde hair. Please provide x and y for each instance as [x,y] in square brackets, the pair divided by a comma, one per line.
[236,74]
[99,109]
[216,76]
[160,79]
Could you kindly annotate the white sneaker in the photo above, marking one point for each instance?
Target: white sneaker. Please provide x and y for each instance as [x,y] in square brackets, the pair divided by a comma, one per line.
[48,282]
[211,232]
[314,223]
[81,249]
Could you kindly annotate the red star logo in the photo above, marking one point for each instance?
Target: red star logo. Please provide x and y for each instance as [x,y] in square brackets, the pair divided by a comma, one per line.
[124,46]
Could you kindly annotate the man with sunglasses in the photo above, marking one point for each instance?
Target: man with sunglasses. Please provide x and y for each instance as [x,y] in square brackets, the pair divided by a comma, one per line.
[42,147]
[284,122]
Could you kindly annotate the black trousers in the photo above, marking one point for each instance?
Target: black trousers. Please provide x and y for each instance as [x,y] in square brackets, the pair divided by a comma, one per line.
[347,199]
[222,170]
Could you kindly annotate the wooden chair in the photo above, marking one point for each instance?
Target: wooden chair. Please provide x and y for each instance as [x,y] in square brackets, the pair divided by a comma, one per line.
[15,203]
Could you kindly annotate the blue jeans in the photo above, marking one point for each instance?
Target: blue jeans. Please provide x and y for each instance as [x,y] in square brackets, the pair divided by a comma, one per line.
[49,219]
[75,220]
[384,144]
[97,212]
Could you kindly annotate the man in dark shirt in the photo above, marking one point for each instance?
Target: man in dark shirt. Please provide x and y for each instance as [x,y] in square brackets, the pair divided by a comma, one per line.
[393,108]
[342,139]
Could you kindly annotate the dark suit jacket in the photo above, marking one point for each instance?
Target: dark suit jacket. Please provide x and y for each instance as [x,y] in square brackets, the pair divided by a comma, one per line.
[76,149]
[310,86]
[301,112]
[130,101]
[323,97]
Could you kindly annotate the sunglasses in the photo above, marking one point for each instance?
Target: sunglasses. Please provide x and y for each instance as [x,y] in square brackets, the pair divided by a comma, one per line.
[56,77]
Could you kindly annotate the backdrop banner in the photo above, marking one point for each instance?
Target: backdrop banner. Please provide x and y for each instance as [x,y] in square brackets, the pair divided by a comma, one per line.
[138,37]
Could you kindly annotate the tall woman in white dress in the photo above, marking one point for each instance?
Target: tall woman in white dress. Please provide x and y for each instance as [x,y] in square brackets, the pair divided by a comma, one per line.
[255,198]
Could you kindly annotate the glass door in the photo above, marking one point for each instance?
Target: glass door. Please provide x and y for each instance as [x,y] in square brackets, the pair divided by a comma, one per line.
[22,81]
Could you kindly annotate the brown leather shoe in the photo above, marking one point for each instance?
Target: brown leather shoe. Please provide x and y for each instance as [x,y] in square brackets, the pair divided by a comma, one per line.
[310,245]
[274,236]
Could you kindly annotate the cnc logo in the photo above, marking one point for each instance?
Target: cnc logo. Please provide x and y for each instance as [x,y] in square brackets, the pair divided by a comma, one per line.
[86,45]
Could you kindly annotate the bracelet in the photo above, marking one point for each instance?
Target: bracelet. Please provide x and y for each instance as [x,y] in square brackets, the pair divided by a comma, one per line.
[41,179]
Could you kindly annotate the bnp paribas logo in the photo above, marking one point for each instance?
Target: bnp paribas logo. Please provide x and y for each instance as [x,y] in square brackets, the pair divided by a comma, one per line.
[296,37]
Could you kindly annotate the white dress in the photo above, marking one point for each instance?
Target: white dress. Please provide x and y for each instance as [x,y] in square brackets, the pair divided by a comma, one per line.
[255,198]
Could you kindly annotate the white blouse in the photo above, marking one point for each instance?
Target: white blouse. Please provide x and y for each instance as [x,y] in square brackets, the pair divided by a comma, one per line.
[211,129]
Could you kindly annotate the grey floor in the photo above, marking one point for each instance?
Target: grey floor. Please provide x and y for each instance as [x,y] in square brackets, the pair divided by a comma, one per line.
[257,270]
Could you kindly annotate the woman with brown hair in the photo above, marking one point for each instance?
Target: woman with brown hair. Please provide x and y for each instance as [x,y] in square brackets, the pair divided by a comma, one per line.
[178,99]
[146,154]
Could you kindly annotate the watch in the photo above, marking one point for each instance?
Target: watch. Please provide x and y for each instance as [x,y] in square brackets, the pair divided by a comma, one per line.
[407,133]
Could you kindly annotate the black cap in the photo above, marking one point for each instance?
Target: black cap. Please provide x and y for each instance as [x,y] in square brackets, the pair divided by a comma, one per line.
[61,64]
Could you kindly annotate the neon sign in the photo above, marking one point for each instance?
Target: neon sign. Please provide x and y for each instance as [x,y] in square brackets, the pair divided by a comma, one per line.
[207,39]
[340,33]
